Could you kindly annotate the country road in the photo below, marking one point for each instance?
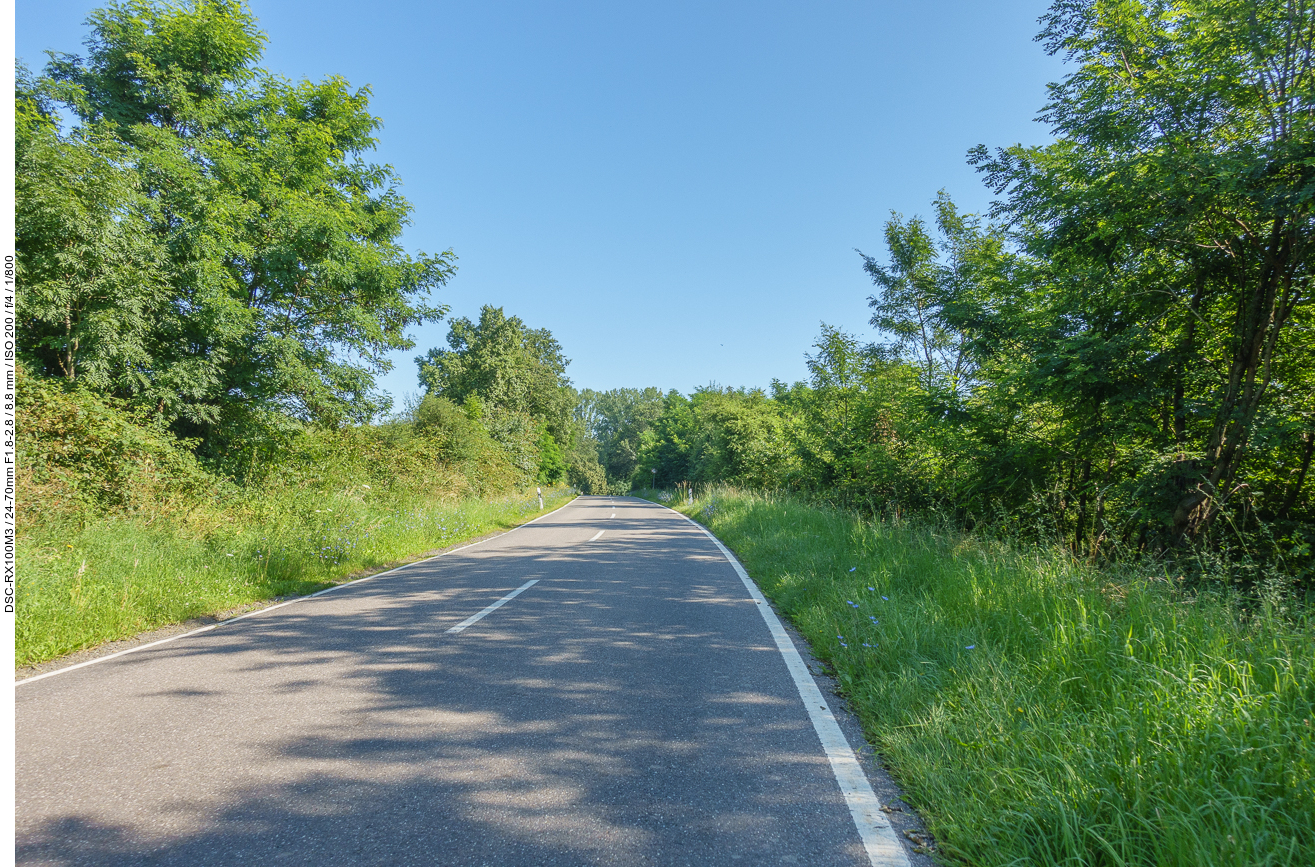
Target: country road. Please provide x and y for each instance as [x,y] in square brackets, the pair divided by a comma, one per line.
[629,705]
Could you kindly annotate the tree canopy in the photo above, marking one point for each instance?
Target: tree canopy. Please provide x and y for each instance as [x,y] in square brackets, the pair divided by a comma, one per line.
[508,366]
[1120,354]
[1171,227]
[513,377]
[208,239]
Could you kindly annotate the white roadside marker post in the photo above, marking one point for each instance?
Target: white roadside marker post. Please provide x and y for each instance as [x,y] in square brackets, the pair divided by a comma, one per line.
[539,491]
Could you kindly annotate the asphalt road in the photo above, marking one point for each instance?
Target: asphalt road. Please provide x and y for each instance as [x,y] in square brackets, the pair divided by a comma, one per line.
[628,708]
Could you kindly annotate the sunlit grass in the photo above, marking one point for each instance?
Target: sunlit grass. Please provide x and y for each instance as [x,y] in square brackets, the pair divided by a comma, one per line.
[118,576]
[1038,711]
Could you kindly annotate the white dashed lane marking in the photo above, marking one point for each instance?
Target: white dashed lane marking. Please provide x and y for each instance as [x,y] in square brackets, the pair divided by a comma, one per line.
[494,607]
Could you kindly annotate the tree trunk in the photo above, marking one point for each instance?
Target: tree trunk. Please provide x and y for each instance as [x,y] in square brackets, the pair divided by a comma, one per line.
[1291,499]
[1261,314]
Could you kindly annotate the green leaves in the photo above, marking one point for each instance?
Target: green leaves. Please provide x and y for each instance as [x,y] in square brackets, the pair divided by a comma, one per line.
[260,248]
[1169,231]
[509,367]
[89,275]
[927,292]
[511,379]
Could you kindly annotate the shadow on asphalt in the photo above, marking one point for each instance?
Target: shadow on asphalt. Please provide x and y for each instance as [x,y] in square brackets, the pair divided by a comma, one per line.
[630,708]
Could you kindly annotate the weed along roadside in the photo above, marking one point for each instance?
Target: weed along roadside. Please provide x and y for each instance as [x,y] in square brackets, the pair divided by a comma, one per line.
[1039,711]
[120,577]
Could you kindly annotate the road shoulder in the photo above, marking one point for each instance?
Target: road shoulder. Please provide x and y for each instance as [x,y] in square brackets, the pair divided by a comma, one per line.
[110,648]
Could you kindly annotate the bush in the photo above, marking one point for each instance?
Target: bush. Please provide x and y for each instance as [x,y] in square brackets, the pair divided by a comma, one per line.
[126,530]
[80,454]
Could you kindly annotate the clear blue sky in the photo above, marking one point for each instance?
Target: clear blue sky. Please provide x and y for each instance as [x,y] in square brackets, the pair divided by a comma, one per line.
[675,190]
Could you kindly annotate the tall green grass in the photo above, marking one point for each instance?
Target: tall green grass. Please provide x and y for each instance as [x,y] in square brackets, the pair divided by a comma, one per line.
[85,583]
[1039,711]
[122,529]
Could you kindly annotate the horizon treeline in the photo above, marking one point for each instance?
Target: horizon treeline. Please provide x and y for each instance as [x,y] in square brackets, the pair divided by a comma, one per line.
[1120,354]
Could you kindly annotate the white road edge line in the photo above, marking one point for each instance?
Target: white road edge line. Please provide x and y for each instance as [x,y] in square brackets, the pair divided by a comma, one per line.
[883,846]
[597,535]
[494,607]
[355,583]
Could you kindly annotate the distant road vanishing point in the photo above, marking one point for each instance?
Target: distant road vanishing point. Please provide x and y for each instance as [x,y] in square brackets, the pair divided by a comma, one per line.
[598,687]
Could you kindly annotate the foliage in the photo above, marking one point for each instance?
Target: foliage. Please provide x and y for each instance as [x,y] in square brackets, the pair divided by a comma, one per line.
[583,471]
[715,434]
[78,454]
[921,280]
[1038,711]
[207,242]
[552,466]
[128,531]
[94,283]
[1121,355]
[511,368]
[1171,225]
[862,430]
[512,379]
[617,420]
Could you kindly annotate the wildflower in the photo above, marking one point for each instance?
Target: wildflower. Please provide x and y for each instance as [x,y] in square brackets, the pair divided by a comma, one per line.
[884,599]
[841,638]
[367,487]
[873,589]
[228,555]
[854,604]
[865,644]
[852,568]
[873,619]
[970,647]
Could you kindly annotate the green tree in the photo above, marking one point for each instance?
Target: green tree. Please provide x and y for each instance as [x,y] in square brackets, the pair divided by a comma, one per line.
[1174,215]
[552,465]
[666,447]
[716,435]
[511,368]
[513,378]
[739,437]
[617,420]
[91,277]
[861,431]
[927,281]
[246,195]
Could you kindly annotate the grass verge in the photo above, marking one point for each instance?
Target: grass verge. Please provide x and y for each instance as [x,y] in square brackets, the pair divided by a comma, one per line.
[1038,711]
[116,576]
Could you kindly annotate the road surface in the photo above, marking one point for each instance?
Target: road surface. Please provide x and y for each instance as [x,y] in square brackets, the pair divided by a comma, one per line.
[628,706]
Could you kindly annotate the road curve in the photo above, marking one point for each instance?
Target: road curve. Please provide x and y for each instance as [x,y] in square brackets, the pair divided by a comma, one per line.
[628,707]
